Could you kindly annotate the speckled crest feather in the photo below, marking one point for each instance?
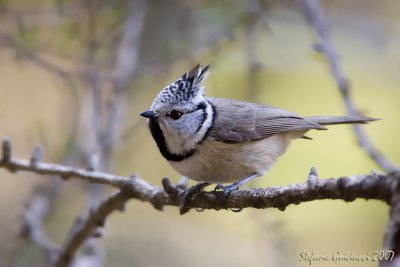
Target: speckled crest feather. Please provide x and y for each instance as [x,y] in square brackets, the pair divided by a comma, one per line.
[188,86]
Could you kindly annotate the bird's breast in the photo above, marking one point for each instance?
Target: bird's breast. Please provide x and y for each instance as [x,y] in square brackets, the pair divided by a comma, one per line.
[218,162]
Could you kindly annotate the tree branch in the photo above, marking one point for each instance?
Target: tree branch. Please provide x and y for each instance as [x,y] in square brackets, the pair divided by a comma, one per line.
[32,226]
[64,172]
[318,19]
[367,186]
[348,188]
[85,227]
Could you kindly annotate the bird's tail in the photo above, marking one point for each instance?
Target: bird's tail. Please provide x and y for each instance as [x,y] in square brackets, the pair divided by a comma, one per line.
[330,120]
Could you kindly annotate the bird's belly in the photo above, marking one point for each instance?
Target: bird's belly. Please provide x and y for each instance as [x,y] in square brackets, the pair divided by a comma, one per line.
[218,162]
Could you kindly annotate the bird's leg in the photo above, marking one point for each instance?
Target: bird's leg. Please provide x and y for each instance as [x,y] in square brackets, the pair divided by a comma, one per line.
[227,189]
[188,193]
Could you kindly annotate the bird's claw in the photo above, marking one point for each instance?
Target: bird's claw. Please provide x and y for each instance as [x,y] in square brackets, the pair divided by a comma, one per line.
[226,191]
[187,194]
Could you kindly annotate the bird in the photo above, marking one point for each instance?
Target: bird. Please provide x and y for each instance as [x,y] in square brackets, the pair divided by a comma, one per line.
[218,140]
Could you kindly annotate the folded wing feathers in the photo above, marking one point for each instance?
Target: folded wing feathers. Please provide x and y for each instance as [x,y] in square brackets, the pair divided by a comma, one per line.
[239,121]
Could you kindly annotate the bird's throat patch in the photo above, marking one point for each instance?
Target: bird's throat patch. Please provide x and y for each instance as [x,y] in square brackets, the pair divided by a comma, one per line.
[158,136]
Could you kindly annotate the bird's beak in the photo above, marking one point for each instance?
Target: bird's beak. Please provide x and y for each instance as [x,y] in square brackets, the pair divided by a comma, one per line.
[148,114]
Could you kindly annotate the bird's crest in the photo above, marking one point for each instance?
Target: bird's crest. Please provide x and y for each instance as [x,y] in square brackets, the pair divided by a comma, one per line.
[187,87]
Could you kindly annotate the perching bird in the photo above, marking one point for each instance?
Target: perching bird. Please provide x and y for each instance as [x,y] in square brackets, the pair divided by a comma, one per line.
[219,140]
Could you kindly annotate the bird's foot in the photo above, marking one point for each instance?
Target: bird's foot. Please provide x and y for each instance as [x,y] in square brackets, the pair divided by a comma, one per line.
[226,191]
[188,193]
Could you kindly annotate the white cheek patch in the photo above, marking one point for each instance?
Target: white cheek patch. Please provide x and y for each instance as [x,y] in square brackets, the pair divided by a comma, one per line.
[180,140]
[176,141]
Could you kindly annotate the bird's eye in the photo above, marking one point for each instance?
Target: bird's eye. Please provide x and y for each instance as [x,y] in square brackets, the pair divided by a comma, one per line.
[175,115]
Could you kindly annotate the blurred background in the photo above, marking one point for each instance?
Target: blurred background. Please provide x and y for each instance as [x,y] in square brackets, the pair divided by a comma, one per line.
[74,75]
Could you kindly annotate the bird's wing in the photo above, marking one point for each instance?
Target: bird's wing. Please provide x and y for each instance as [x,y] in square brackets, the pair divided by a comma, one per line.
[237,121]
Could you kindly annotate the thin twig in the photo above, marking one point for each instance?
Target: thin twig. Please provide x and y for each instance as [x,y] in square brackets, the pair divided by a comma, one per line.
[106,120]
[392,235]
[64,172]
[37,208]
[85,227]
[39,61]
[255,17]
[92,249]
[125,68]
[32,226]
[318,19]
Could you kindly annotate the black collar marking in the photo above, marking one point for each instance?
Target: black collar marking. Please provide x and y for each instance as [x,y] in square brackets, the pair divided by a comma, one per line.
[203,107]
[158,136]
[214,115]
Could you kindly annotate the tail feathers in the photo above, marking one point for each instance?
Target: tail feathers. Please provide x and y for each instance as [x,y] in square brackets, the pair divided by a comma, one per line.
[330,120]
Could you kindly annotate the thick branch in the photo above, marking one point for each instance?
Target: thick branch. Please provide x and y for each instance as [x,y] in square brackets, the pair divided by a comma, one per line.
[367,186]
[318,19]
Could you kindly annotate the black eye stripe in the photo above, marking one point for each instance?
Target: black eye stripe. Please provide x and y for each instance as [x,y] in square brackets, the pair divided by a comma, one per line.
[202,106]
